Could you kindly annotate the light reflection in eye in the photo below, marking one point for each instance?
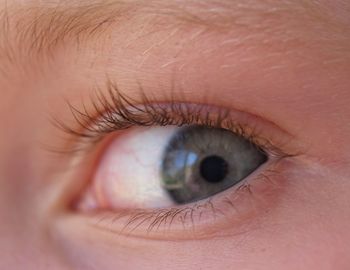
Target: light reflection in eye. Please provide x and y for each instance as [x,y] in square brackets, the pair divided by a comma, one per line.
[159,167]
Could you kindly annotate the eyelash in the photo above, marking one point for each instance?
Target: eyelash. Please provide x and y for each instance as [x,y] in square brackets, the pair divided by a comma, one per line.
[159,221]
[115,111]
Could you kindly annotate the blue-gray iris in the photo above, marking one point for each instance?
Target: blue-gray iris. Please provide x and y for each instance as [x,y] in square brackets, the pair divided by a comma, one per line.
[200,161]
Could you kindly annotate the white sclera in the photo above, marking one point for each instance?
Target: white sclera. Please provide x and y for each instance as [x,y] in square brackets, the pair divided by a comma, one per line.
[128,175]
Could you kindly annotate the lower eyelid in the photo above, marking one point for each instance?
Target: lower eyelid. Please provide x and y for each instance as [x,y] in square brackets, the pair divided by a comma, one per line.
[208,218]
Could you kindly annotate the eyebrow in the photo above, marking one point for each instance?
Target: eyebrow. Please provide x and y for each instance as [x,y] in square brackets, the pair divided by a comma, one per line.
[38,30]
[31,30]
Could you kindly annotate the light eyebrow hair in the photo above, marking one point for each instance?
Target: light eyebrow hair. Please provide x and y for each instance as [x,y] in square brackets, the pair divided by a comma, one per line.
[31,30]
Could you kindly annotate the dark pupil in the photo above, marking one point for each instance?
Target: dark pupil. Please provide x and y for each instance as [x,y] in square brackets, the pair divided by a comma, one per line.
[213,169]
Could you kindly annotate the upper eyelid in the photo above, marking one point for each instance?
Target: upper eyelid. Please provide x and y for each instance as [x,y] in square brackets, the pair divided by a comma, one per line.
[117,102]
[116,111]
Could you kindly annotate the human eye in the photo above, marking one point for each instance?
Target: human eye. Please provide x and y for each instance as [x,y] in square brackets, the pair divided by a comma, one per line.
[174,169]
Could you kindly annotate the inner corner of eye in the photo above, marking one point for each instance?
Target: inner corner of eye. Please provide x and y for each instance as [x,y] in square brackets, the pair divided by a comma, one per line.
[160,167]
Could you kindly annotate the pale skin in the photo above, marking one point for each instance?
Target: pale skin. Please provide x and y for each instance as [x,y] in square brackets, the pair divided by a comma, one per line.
[286,62]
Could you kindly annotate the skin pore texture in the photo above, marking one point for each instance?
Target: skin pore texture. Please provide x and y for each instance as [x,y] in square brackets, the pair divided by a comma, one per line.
[287,63]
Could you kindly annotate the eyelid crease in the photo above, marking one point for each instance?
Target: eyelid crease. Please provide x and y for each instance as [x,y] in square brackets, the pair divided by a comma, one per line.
[115,111]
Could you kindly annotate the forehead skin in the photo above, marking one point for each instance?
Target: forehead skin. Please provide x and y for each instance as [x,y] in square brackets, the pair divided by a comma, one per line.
[286,61]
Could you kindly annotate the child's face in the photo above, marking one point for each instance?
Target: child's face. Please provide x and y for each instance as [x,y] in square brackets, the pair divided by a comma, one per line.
[274,72]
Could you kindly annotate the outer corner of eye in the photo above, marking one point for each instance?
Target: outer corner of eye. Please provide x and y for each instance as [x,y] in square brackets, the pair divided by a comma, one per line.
[169,177]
